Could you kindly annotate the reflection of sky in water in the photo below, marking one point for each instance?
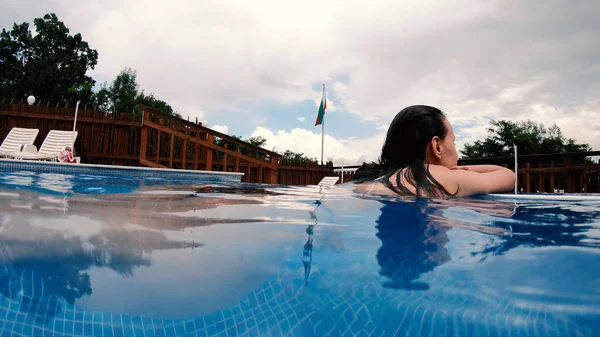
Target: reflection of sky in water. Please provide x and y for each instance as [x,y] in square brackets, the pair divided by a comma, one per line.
[193,282]
[66,184]
[187,257]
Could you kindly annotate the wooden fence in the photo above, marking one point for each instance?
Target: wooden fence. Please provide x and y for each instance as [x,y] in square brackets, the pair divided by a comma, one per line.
[569,172]
[158,140]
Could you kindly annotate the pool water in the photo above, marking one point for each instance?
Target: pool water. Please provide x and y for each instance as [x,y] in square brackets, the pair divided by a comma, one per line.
[91,255]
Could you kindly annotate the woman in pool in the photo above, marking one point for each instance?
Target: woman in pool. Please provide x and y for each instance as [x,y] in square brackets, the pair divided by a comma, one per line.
[419,158]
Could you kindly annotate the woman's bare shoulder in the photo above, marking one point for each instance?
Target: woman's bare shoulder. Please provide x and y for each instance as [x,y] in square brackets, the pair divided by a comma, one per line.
[445,177]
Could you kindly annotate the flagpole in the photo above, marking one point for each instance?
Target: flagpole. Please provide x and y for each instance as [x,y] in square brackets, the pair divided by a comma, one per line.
[516,169]
[323,127]
[322,138]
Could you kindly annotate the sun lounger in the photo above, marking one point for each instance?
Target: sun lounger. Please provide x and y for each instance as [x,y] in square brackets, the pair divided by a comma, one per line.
[328,181]
[56,141]
[16,139]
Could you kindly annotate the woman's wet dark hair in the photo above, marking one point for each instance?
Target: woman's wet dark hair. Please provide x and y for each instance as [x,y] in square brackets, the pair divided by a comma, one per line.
[405,147]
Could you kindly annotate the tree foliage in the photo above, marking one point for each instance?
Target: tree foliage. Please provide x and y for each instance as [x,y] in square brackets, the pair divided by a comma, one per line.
[247,151]
[287,158]
[297,158]
[124,91]
[123,96]
[257,141]
[155,103]
[51,65]
[528,136]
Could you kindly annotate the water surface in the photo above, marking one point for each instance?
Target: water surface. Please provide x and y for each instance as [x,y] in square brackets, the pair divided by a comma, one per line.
[122,256]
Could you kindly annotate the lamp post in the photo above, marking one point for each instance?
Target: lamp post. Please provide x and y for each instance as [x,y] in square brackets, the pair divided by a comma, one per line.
[31,99]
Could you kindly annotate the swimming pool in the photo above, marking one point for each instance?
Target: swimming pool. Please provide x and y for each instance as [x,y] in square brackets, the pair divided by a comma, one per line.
[97,255]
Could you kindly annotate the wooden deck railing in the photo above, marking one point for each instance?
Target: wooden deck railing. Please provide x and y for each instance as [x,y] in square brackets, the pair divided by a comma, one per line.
[191,146]
[570,172]
[158,140]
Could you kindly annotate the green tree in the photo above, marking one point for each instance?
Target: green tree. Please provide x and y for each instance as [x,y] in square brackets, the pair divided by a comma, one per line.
[224,142]
[123,96]
[528,136]
[51,65]
[101,99]
[297,158]
[257,141]
[124,91]
[287,158]
[155,103]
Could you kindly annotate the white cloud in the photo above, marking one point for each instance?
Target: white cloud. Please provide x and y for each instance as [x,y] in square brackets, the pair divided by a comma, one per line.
[342,151]
[301,119]
[469,135]
[487,60]
[221,128]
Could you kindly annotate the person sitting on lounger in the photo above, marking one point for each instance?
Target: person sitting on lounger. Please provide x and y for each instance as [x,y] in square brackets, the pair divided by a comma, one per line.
[419,158]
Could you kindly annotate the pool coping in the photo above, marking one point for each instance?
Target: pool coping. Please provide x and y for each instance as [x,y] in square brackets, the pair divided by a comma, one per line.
[36,166]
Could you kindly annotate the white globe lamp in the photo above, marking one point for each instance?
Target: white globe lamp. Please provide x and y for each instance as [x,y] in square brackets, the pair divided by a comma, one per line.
[30,99]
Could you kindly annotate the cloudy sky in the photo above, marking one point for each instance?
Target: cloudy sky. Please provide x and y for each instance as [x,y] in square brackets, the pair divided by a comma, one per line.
[255,68]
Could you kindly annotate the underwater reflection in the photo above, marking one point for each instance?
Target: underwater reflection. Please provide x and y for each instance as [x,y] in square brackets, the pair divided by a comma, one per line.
[410,244]
[43,268]
[49,245]
[414,232]
[108,252]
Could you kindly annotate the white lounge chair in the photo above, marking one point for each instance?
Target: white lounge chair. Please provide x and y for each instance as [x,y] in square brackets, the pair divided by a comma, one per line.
[16,139]
[56,141]
[328,181]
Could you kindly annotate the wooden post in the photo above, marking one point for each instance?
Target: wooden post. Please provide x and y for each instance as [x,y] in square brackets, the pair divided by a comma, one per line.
[158,147]
[598,180]
[585,177]
[552,176]
[171,151]
[527,176]
[259,176]
[569,177]
[184,154]
[272,171]
[225,160]
[196,155]
[143,137]
[246,177]
[236,165]
[209,153]
[541,179]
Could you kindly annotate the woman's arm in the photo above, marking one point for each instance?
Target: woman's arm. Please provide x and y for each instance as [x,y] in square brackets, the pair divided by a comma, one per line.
[479,168]
[483,179]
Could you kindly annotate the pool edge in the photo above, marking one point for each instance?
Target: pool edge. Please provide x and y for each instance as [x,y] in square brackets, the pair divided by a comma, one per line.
[66,168]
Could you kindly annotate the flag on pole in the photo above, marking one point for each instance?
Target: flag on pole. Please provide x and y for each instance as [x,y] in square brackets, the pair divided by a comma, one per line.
[322,108]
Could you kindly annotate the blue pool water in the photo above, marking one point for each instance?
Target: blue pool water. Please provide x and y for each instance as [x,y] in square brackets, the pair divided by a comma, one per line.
[92,255]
